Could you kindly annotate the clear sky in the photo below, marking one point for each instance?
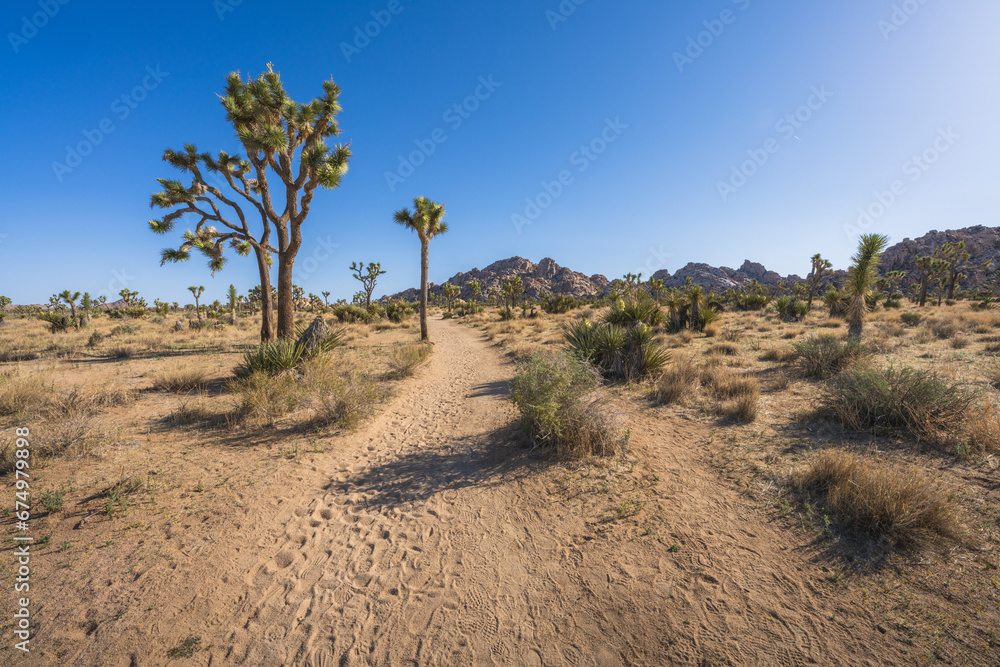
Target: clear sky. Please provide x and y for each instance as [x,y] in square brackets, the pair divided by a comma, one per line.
[631,126]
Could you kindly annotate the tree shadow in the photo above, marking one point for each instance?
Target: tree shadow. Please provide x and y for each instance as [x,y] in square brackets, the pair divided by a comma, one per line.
[498,388]
[488,459]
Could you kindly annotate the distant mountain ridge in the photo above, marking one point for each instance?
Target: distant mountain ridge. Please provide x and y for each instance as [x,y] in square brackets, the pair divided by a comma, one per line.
[983,244]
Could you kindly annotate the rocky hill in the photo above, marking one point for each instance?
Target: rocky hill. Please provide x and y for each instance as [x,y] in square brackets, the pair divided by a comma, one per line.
[983,244]
[546,276]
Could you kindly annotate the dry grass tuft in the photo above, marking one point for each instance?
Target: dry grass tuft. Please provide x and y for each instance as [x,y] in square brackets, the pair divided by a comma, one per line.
[339,394]
[780,353]
[677,383]
[181,380]
[405,360]
[21,393]
[880,501]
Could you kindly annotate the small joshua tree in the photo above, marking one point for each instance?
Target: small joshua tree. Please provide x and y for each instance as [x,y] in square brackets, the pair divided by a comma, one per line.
[427,221]
[367,276]
[4,302]
[819,266]
[477,289]
[197,291]
[861,281]
[70,298]
[326,298]
[234,301]
[451,293]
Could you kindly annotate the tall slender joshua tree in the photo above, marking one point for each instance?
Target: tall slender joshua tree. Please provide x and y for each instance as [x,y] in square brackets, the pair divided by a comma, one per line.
[861,280]
[426,221]
[197,291]
[286,160]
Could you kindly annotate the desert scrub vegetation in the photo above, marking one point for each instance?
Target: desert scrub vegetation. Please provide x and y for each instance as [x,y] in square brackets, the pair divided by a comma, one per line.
[621,353]
[285,355]
[826,355]
[919,403]
[404,360]
[180,380]
[678,383]
[737,394]
[563,409]
[878,500]
[339,394]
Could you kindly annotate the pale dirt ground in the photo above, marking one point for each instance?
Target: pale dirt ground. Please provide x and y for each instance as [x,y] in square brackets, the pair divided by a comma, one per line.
[434,535]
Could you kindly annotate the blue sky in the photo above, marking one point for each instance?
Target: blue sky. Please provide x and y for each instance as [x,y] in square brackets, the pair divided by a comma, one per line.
[612,137]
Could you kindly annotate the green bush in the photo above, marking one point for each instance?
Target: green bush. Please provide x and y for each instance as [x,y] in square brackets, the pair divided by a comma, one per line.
[910,318]
[506,314]
[348,313]
[892,400]
[560,407]
[825,355]
[397,311]
[125,329]
[620,353]
[558,304]
[634,308]
[283,356]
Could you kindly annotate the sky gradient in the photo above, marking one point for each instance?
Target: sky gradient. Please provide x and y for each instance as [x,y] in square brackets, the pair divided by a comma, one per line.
[612,137]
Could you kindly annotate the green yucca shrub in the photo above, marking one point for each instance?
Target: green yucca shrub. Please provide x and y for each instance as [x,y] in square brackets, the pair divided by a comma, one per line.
[397,311]
[348,313]
[283,356]
[636,307]
[620,353]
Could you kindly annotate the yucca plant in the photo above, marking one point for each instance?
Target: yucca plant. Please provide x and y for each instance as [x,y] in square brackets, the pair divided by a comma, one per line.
[619,352]
[284,355]
[861,279]
[695,297]
[834,301]
[637,306]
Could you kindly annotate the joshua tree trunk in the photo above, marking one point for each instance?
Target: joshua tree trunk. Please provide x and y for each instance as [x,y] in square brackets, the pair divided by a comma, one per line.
[266,300]
[425,246]
[197,307]
[854,330]
[288,248]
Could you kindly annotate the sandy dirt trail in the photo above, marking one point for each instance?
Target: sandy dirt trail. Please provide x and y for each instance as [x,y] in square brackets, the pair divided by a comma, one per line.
[431,539]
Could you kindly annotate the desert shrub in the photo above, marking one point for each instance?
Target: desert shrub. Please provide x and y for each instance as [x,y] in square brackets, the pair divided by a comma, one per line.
[125,328]
[725,349]
[635,308]
[562,408]
[825,355]
[899,399]
[21,393]
[206,323]
[283,355]
[121,351]
[877,500]
[708,316]
[727,385]
[711,330]
[732,335]
[959,342]
[263,398]
[678,382]
[397,311]
[620,353]
[340,394]
[783,353]
[558,303]
[506,314]
[404,360]
[180,380]
[348,313]
[944,330]
[743,408]
[96,338]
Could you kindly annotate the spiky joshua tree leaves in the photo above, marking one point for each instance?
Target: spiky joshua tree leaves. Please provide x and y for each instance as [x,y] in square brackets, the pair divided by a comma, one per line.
[819,266]
[861,280]
[427,221]
[269,190]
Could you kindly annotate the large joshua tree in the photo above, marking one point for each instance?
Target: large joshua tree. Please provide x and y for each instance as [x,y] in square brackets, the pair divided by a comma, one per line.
[861,280]
[271,189]
[426,221]
[70,298]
